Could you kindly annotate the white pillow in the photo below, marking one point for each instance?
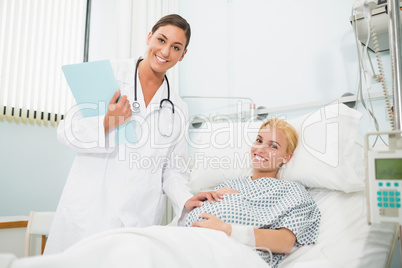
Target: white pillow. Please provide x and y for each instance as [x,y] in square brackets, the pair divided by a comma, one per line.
[327,155]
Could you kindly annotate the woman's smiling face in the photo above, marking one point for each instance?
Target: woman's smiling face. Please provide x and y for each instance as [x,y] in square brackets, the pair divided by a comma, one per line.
[268,152]
[166,47]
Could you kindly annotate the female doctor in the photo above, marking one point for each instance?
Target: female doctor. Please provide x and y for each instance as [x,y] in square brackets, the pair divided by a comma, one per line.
[120,176]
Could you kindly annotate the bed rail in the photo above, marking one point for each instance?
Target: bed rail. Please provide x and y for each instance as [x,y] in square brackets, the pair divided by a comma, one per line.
[262,112]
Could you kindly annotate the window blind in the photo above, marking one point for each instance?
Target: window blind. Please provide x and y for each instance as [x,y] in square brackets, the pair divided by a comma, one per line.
[37,37]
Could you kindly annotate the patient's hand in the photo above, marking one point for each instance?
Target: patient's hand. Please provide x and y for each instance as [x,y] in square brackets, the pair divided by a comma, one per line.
[213,222]
[198,199]
[226,190]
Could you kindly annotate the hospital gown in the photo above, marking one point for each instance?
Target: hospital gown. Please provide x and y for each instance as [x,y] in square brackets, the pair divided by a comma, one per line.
[266,203]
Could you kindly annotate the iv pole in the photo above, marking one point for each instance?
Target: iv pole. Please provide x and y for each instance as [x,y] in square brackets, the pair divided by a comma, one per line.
[395,50]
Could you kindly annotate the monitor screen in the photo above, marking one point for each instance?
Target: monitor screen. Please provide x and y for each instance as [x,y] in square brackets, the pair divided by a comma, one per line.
[388,168]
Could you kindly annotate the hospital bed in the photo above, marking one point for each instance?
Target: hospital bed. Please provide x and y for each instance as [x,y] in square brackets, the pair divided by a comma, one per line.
[329,161]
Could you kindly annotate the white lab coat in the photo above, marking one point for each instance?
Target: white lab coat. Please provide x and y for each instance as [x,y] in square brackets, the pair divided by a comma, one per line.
[120,185]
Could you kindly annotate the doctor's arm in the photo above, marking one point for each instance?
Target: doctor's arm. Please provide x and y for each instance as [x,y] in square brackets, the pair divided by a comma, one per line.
[198,199]
[118,112]
[85,134]
[278,240]
[175,175]
[176,178]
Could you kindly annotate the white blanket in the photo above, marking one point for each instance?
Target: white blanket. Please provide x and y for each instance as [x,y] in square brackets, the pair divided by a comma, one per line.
[345,238]
[156,246]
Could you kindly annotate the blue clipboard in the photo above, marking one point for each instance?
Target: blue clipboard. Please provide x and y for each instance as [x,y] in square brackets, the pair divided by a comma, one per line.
[93,85]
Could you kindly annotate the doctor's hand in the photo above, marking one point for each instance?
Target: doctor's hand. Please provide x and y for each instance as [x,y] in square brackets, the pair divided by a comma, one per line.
[213,222]
[118,113]
[198,199]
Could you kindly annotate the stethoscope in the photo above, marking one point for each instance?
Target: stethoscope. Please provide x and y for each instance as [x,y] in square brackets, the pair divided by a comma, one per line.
[164,128]
[136,104]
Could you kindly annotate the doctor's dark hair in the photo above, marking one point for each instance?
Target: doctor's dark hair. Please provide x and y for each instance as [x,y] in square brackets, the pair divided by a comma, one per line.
[175,20]
[287,129]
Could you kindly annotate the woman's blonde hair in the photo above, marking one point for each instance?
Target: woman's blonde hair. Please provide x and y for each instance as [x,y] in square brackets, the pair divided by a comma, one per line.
[287,129]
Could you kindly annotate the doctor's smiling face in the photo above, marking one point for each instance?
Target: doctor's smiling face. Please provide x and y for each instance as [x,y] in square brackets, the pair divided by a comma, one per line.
[166,47]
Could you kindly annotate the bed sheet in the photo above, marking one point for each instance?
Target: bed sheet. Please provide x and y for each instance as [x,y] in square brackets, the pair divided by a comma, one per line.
[156,246]
[345,238]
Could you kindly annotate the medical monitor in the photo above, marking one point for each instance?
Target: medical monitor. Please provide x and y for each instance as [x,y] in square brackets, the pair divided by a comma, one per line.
[388,168]
[384,183]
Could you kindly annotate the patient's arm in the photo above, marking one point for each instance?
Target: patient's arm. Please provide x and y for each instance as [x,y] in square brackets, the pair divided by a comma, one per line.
[213,222]
[278,241]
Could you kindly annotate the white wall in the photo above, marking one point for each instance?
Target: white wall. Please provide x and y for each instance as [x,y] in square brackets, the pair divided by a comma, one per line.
[33,168]
[278,53]
[103,34]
